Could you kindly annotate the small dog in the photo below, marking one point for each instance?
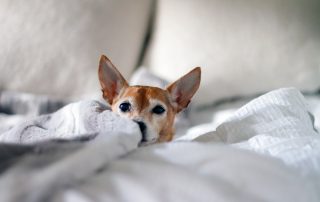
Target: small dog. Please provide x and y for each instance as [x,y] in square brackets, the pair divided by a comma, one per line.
[152,108]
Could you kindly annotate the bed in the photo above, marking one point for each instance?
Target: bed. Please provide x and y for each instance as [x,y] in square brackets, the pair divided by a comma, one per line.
[249,134]
[267,150]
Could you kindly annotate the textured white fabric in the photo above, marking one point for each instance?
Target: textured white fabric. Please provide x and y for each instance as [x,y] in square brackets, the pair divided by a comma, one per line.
[244,47]
[266,151]
[39,182]
[53,47]
[277,124]
[195,172]
[272,114]
[76,119]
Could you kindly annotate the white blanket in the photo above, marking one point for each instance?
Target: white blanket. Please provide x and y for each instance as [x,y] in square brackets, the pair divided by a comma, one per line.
[85,118]
[267,151]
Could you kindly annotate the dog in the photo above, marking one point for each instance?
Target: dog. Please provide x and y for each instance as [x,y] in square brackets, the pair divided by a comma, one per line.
[152,108]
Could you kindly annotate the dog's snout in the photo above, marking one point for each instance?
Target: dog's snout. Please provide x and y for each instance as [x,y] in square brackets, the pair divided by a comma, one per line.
[143,128]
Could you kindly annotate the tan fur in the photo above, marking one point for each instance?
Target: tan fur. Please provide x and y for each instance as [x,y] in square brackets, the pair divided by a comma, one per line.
[144,98]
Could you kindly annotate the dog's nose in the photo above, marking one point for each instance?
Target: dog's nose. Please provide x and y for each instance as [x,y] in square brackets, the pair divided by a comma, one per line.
[143,128]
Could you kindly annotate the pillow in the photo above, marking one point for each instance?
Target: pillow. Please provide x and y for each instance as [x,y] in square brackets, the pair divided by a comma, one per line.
[244,47]
[53,47]
[143,76]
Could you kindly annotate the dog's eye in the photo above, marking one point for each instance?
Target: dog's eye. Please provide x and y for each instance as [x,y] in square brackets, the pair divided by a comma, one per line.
[125,107]
[158,109]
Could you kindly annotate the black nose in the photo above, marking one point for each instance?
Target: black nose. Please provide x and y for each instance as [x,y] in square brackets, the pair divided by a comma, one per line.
[143,128]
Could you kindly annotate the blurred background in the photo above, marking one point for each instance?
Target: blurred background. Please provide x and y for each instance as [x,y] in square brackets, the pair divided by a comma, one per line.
[245,47]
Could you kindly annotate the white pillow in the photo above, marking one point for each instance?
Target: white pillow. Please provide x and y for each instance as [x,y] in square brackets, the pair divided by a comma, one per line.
[53,47]
[244,47]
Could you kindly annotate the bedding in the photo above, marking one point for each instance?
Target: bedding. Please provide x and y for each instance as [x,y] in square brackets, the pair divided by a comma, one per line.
[15,107]
[74,120]
[268,150]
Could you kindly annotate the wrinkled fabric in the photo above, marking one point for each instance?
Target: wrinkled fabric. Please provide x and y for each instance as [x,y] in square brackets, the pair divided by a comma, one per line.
[267,150]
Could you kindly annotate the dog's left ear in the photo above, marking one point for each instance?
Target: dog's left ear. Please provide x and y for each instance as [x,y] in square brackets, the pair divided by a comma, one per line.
[111,80]
[184,88]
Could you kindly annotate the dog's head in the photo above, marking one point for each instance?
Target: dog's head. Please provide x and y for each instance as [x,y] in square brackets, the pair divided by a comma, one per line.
[152,108]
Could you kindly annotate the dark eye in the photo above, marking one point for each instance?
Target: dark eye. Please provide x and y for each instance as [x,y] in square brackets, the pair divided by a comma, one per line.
[158,109]
[125,107]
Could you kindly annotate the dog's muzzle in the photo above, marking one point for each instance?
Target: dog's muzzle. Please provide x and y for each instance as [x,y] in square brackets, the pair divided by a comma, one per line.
[143,128]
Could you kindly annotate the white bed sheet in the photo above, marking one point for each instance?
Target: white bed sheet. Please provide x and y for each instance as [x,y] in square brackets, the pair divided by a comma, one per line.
[267,150]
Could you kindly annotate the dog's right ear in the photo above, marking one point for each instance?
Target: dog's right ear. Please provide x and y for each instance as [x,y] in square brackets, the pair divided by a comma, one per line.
[111,80]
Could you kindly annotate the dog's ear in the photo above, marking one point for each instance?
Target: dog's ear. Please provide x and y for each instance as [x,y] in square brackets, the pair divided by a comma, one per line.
[111,80]
[184,88]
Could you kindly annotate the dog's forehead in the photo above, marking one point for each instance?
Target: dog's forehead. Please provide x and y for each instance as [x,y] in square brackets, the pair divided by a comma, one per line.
[145,93]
